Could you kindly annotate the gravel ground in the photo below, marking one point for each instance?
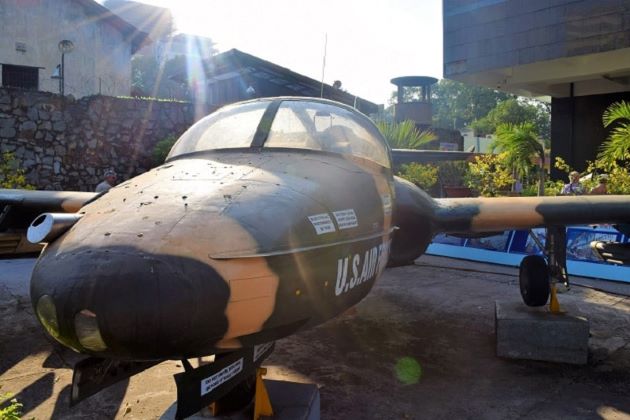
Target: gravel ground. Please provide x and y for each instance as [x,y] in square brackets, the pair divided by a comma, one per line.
[420,346]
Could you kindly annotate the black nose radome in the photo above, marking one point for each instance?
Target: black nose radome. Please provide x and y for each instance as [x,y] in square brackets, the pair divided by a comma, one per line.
[122,302]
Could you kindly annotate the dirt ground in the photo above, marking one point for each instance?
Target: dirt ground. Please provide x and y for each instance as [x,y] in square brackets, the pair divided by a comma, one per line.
[420,346]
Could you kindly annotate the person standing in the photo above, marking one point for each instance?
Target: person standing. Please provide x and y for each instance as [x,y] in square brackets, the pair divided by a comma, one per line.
[108,182]
[574,187]
[602,187]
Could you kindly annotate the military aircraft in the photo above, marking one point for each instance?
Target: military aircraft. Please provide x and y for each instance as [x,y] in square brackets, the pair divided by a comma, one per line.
[268,217]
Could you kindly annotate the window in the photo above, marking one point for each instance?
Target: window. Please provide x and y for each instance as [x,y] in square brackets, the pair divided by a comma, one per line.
[232,126]
[20,76]
[323,126]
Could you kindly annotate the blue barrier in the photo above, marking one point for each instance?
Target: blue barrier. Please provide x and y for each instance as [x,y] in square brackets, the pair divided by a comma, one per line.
[510,247]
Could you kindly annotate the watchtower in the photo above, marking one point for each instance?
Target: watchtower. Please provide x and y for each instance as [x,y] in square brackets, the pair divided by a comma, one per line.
[414,99]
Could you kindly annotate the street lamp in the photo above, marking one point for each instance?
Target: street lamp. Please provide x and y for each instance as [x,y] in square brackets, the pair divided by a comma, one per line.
[65,47]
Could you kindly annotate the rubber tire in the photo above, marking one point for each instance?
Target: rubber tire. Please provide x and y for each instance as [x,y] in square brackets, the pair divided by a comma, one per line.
[534,280]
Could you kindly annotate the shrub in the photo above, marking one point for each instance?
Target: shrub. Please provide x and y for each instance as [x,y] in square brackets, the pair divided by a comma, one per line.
[161,149]
[489,175]
[424,176]
[405,135]
[10,408]
[618,175]
[11,176]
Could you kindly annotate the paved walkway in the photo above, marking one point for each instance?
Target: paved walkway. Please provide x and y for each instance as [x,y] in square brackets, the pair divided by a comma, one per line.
[421,345]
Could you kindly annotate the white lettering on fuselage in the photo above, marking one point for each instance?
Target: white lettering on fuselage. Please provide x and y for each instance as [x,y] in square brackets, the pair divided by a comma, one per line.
[387,204]
[322,223]
[357,269]
[346,219]
[222,376]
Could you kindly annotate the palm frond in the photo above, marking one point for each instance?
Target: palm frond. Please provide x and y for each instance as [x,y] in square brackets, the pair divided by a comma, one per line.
[616,111]
[519,143]
[617,145]
[405,135]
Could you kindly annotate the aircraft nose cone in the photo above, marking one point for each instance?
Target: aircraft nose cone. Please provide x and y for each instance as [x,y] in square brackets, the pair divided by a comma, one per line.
[127,304]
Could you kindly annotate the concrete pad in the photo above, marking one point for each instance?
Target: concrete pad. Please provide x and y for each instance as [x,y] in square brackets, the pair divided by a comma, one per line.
[440,315]
[289,400]
[523,332]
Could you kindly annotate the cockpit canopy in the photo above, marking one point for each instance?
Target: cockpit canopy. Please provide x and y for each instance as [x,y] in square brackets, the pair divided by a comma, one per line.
[296,123]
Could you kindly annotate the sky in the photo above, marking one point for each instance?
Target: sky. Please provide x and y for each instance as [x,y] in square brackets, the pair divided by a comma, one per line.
[367,42]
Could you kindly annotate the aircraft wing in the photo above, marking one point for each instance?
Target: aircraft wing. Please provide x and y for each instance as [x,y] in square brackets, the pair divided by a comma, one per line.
[18,208]
[402,156]
[54,201]
[419,217]
[491,214]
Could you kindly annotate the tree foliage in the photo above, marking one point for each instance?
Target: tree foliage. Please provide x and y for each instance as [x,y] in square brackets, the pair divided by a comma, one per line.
[515,111]
[11,176]
[618,175]
[617,145]
[161,149]
[520,146]
[405,135]
[424,176]
[150,78]
[489,175]
[457,104]
[10,408]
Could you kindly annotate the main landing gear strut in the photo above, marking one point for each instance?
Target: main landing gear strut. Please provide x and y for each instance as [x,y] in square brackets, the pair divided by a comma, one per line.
[539,275]
[228,384]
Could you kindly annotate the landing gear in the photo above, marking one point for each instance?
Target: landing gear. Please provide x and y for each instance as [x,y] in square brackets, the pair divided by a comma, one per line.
[538,275]
[534,280]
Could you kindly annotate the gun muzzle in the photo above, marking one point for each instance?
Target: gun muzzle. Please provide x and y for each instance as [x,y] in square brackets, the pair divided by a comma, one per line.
[49,226]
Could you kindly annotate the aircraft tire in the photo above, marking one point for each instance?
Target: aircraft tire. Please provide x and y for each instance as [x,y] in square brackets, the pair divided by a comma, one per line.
[534,280]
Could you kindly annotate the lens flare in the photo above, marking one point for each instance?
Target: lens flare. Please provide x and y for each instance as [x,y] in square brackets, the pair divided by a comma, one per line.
[408,370]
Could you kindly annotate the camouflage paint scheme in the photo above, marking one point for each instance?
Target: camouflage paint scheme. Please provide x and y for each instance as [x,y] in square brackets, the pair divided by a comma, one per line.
[209,254]
[219,250]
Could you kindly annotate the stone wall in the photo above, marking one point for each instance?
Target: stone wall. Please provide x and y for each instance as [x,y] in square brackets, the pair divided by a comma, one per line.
[66,144]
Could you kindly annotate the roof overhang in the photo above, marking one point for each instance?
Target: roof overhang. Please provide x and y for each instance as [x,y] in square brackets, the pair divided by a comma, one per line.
[590,74]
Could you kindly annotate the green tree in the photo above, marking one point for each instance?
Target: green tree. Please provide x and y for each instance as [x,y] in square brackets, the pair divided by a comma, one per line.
[457,104]
[11,176]
[519,145]
[515,111]
[617,145]
[405,135]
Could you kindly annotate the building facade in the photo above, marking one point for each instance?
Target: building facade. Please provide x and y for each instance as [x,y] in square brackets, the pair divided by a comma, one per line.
[577,52]
[96,60]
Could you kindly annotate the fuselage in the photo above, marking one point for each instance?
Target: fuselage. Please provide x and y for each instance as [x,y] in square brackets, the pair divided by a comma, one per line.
[215,251]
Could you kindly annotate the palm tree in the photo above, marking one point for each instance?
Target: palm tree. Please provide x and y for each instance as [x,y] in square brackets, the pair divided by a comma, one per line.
[405,135]
[617,146]
[520,143]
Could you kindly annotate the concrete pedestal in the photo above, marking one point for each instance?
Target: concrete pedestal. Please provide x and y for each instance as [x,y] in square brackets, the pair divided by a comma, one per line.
[524,332]
[289,400]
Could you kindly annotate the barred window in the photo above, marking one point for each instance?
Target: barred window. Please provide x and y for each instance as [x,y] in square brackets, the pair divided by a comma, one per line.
[20,76]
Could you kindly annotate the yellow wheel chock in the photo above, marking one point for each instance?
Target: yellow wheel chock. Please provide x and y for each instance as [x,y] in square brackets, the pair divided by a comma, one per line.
[554,304]
[262,404]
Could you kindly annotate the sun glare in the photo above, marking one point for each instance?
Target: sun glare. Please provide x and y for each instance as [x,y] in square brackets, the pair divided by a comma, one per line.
[367,43]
